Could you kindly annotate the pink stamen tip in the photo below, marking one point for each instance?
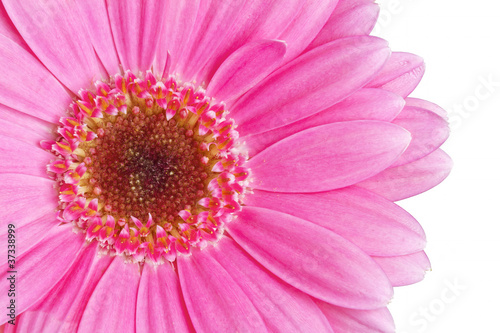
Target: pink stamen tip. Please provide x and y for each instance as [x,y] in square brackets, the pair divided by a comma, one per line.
[93,204]
[185,215]
[150,221]
[160,232]
[110,221]
[121,222]
[137,222]
[183,113]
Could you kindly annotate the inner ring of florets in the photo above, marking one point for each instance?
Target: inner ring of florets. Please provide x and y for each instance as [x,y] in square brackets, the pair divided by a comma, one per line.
[149,168]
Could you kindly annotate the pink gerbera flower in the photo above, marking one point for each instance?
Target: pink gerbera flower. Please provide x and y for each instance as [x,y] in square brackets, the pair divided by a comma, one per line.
[209,166]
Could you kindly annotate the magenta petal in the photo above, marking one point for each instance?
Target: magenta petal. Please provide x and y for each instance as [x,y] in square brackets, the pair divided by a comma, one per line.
[136,35]
[23,158]
[351,320]
[214,300]
[256,20]
[41,267]
[428,132]
[159,301]
[364,104]
[401,74]
[423,104]
[62,308]
[373,223]
[163,55]
[214,23]
[328,157]
[221,30]
[56,34]
[179,19]
[26,198]
[27,86]
[24,127]
[8,29]
[410,179]
[244,68]
[32,233]
[405,270]
[311,258]
[114,296]
[306,25]
[282,307]
[294,92]
[96,15]
[355,20]
[7,328]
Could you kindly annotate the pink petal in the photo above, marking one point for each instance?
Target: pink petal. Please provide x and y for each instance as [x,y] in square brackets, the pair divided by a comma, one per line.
[364,104]
[294,21]
[159,302]
[112,306]
[405,270]
[55,32]
[217,34]
[8,29]
[428,132]
[351,320]
[136,30]
[213,24]
[179,19]
[32,233]
[95,13]
[307,24]
[376,225]
[61,310]
[244,68]
[358,19]
[311,258]
[407,180]
[24,127]
[163,58]
[27,86]
[214,300]
[423,104]
[7,328]
[328,157]
[401,74]
[26,198]
[345,5]
[23,158]
[282,307]
[41,267]
[294,92]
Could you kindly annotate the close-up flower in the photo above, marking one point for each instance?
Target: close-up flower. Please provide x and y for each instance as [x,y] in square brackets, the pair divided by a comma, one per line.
[208,166]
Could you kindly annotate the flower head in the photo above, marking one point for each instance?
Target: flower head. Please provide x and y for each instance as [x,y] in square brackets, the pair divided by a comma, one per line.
[175,166]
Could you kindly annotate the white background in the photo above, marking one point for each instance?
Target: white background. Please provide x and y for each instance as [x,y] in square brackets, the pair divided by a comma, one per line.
[460,42]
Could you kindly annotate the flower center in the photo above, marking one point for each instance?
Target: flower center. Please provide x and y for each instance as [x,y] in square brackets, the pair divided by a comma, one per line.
[148,168]
[144,164]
